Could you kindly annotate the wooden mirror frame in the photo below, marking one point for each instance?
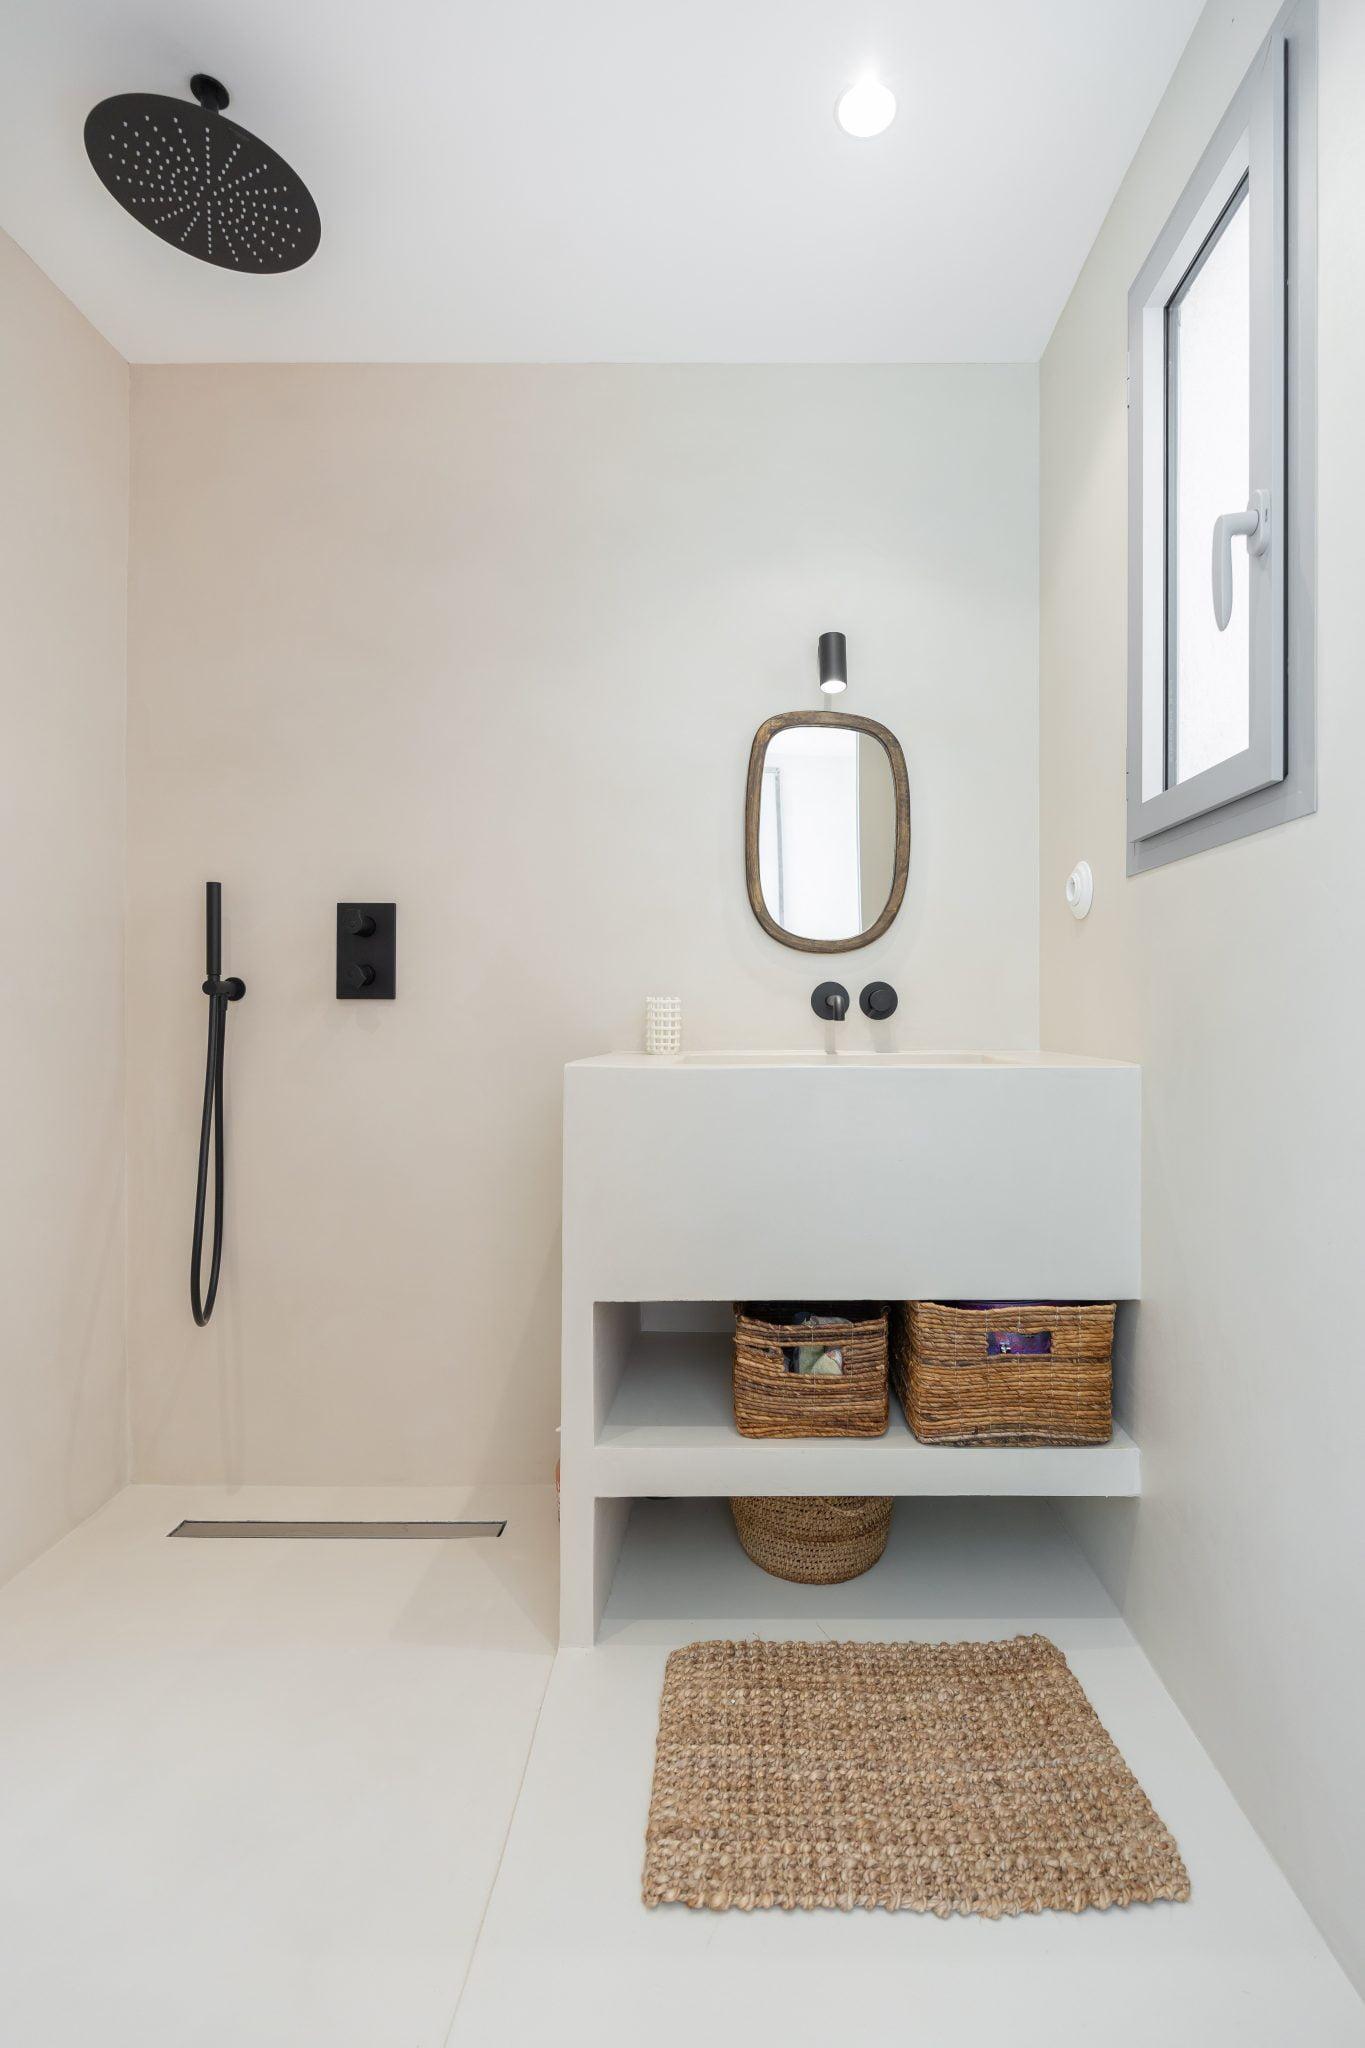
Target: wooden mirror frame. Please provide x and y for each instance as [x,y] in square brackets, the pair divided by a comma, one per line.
[846,721]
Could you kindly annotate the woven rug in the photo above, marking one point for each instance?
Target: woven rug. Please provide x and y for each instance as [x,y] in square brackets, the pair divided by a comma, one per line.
[939,1777]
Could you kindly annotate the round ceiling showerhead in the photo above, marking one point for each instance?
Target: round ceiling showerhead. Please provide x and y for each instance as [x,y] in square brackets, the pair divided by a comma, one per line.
[200,182]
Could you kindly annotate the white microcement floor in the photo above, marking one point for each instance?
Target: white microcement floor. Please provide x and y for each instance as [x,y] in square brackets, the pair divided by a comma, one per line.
[289,1794]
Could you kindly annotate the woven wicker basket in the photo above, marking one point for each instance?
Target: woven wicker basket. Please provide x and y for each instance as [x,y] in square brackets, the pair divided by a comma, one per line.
[1039,1373]
[817,1541]
[772,1401]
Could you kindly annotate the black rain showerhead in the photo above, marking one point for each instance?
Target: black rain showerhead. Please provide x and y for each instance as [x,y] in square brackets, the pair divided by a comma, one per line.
[200,182]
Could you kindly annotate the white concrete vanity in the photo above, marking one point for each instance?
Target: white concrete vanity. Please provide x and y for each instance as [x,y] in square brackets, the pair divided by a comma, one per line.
[690,1183]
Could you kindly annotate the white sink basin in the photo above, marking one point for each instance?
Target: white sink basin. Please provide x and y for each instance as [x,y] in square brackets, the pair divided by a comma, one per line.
[776,1061]
[845,1059]
[991,1176]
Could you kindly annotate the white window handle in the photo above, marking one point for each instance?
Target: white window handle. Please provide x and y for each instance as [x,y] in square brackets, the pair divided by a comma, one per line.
[1254,523]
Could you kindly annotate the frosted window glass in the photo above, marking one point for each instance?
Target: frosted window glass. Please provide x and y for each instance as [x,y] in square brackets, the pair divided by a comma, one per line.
[1209,365]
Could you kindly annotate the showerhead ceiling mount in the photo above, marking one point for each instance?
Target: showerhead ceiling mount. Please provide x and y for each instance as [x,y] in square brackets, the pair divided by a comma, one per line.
[211,93]
[200,182]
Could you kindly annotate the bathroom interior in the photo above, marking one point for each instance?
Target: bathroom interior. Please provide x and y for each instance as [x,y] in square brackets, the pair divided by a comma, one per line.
[683,1129]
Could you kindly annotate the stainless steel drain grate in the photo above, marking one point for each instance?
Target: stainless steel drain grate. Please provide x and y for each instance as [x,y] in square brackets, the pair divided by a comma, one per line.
[370,1532]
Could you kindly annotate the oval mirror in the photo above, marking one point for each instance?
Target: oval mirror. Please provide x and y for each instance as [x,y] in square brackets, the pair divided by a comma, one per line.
[826,829]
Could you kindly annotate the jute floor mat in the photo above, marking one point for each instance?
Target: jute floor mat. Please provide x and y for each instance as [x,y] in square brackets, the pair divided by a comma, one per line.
[939,1777]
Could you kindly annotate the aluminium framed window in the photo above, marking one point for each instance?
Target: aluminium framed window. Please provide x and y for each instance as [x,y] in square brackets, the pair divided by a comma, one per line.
[1221,418]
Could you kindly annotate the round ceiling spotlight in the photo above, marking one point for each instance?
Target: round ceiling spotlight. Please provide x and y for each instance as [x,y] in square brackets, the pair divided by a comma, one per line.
[865,109]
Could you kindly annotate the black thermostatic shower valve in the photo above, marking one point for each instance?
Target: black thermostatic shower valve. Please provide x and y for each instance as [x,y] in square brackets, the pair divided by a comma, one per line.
[366,952]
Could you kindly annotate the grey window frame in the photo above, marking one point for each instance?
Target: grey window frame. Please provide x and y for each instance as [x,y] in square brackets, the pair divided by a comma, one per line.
[1271,121]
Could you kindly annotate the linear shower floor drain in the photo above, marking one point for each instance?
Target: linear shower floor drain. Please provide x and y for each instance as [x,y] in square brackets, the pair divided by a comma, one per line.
[371,1532]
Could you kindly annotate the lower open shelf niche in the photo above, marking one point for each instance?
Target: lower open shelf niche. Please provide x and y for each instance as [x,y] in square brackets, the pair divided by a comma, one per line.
[681,1561]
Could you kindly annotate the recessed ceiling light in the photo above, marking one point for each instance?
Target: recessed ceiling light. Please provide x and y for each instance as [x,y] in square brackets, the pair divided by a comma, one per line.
[865,109]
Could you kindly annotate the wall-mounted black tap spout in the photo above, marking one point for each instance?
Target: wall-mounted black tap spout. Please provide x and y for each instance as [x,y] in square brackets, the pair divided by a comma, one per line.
[830,1001]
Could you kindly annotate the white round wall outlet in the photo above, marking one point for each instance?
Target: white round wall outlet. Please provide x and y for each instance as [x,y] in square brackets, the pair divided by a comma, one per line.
[1080,889]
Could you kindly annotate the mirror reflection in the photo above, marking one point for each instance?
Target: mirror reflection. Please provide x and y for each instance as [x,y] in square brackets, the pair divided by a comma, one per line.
[825,831]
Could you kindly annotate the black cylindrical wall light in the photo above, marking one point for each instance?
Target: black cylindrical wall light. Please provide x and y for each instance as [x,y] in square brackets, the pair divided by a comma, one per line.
[833,663]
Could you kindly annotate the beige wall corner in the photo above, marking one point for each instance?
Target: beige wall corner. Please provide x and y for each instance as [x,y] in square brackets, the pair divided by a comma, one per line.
[63,584]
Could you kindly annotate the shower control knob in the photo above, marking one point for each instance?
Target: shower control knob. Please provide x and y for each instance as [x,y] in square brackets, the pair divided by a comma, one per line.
[365,952]
[878,1000]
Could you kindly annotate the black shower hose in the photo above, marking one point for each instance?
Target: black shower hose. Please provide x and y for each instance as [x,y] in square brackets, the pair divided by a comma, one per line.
[220,993]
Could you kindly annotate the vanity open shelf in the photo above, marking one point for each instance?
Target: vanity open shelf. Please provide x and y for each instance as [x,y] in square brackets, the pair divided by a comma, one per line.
[670,1430]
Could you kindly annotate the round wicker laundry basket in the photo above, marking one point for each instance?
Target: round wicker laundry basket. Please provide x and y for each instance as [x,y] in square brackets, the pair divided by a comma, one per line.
[818,1540]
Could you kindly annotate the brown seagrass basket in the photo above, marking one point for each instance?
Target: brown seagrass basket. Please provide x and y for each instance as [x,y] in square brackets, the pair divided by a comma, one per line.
[1005,1373]
[817,1541]
[771,1399]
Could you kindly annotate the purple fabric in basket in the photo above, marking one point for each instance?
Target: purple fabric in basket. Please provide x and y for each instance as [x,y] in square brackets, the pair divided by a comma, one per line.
[1018,1343]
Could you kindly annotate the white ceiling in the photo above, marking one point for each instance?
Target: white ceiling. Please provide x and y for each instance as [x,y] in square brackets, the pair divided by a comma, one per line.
[602,180]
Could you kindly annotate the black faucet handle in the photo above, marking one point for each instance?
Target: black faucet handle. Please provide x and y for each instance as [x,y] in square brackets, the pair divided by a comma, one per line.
[878,999]
[830,1001]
